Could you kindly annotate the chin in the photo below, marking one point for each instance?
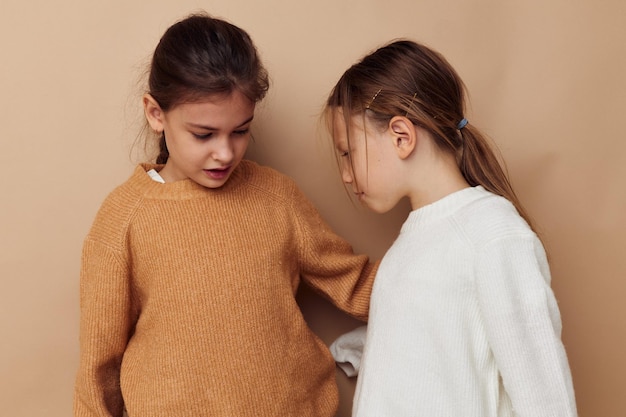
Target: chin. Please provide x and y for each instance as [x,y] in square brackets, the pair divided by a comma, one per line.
[211,183]
[378,208]
[375,209]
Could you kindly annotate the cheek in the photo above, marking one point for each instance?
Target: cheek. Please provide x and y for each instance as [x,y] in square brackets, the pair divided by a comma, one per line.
[361,168]
[241,144]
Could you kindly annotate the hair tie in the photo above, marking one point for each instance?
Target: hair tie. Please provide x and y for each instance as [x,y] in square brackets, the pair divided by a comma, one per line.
[462,123]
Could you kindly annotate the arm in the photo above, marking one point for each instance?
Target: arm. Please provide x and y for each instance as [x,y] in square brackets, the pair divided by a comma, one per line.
[328,263]
[523,326]
[104,330]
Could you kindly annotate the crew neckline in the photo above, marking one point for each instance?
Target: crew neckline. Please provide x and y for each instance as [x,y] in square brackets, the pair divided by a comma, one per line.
[145,183]
[444,207]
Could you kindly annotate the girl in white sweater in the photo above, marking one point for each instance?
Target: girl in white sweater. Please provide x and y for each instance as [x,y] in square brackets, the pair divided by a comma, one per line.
[463,321]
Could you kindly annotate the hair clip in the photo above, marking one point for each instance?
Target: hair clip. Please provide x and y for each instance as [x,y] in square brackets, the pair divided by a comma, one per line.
[373,98]
[462,124]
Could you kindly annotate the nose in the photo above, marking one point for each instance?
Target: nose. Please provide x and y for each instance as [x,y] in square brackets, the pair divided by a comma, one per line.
[223,151]
[346,171]
[346,176]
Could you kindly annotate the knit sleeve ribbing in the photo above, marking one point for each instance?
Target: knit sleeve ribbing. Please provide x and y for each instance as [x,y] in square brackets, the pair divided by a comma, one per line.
[328,263]
[105,326]
[523,326]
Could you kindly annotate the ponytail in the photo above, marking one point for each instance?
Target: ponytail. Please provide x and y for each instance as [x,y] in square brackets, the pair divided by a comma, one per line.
[480,166]
[164,154]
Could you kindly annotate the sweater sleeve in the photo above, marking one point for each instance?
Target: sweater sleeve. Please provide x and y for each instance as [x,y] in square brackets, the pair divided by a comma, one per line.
[523,326]
[105,325]
[328,263]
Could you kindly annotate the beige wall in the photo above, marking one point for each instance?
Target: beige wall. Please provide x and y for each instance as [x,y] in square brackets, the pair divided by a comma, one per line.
[546,81]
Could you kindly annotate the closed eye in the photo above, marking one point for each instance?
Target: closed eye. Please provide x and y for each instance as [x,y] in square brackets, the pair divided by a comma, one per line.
[203,135]
[209,135]
[241,132]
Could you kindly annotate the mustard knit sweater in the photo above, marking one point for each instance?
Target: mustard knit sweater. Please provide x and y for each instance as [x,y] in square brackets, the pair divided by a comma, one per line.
[187,299]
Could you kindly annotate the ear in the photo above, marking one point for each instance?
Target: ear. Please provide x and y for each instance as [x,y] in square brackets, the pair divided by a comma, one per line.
[404,136]
[153,113]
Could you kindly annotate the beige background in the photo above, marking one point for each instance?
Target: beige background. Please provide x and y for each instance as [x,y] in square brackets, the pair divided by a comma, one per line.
[546,82]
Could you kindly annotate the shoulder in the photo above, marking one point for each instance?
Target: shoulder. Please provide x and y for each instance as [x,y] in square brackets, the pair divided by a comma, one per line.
[116,211]
[490,218]
[274,189]
[267,181]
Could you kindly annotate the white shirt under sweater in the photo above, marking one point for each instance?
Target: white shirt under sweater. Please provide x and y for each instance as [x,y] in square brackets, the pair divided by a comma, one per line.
[463,322]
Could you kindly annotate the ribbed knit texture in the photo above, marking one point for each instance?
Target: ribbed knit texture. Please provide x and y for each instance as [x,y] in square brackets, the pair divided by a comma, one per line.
[463,322]
[188,300]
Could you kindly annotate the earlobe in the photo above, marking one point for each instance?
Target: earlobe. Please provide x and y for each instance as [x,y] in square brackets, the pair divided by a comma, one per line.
[404,136]
[153,113]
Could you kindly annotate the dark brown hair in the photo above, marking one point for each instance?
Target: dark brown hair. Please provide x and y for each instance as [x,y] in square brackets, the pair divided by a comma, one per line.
[409,79]
[200,56]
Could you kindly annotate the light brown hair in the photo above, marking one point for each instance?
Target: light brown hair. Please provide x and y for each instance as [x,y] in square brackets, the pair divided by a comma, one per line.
[409,79]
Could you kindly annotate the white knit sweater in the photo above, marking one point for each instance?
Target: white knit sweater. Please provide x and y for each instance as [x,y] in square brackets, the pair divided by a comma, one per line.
[463,322]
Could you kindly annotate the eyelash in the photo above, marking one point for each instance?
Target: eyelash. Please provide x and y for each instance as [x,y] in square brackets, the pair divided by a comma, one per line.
[242,132]
[205,136]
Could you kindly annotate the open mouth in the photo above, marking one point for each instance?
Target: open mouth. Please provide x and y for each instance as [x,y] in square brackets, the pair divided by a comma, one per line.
[217,173]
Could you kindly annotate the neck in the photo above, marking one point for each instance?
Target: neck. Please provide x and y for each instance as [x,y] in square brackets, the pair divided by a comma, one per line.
[438,179]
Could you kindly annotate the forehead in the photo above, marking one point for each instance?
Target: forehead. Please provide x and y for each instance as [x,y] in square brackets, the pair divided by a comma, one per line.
[343,130]
[231,106]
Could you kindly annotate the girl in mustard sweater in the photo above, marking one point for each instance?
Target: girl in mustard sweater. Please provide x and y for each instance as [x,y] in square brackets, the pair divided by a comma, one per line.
[190,270]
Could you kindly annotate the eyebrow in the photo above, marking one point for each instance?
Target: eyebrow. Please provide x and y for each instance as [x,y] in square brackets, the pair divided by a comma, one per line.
[245,122]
